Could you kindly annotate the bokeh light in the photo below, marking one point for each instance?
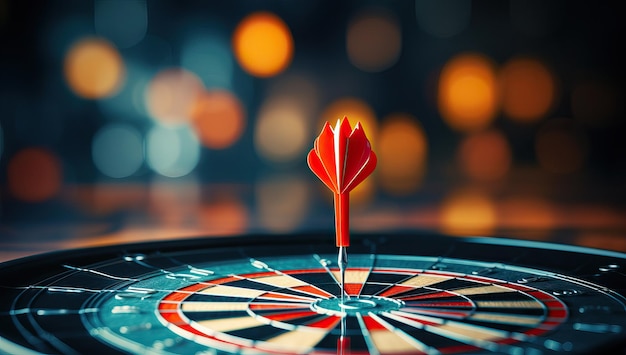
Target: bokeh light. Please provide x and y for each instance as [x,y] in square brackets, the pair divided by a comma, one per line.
[223,216]
[218,118]
[528,216]
[528,89]
[128,103]
[299,88]
[105,197]
[374,41]
[171,94]
[94,68]
[124,22]
[595,102]
[282,131]
[560,146]
[263,44]
[602,240]
[468,212]
[172,151]
[209,56]
[34,175]
[467,92]
[175,203]
[282,202]
[356,110]
[485,156]
[443,18]
[402,151]
[117,150]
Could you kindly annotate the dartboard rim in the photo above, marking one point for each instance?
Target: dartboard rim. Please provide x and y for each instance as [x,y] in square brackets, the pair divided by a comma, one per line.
[94,255]
[323,238]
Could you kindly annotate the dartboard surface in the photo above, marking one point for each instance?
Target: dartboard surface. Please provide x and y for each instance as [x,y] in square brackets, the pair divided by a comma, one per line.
[405,294]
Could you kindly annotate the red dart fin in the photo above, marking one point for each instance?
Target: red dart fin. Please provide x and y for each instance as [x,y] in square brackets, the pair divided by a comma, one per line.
[342,158]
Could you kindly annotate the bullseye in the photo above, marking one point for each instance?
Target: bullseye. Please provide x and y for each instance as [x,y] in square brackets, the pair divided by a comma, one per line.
[354,306]
[357,304]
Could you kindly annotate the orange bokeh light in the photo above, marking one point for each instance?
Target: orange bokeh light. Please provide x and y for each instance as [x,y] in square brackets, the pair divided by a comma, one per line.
[94,68]
[171,94]
[528,89]
[402,149]
[485,156]
[468,212]
[467,92]
[224,215]
[356,110]
[528,216]
[218,118]
[34,175]
[602,240]
[263,44]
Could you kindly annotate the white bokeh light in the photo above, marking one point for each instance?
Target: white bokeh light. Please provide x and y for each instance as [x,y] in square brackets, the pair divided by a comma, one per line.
[172,151]
[117,150]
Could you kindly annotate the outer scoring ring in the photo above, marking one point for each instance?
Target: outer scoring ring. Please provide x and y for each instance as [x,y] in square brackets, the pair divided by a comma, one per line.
[171,310]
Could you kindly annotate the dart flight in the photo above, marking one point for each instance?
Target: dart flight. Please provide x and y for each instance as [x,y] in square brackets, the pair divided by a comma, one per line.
[342,158]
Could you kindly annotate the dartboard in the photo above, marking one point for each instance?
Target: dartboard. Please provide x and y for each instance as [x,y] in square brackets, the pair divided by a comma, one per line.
[405,293]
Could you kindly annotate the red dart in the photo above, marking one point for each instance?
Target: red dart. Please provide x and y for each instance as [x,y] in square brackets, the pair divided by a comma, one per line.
[342,158]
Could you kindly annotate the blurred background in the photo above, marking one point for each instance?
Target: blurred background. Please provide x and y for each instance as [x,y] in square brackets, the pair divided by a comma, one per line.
[131,120]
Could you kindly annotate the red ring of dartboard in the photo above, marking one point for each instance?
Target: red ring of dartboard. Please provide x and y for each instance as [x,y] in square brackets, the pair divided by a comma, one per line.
[172,312]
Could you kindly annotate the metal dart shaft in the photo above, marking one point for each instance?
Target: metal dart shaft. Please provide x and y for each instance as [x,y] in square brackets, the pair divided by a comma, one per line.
[342,261]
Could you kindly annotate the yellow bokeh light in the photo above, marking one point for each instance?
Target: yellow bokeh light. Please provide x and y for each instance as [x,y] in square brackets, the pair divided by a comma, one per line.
[373,41]
[485,156]
[263,44]
[528,89]
[94,68]
[364,193]
[356,110]
[402,150]
[467,92]
[468,212]
[282,130]
[171,95]
[218,119]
